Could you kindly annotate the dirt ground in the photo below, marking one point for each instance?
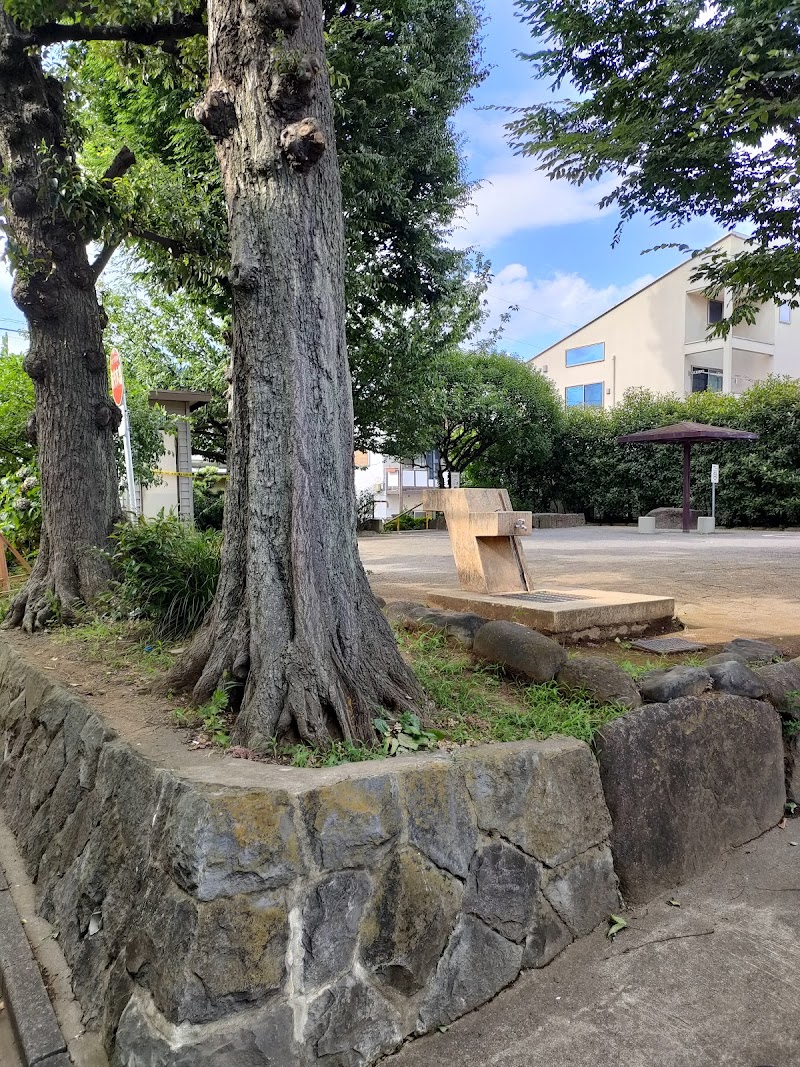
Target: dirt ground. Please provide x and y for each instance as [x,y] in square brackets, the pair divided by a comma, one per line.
[743,583]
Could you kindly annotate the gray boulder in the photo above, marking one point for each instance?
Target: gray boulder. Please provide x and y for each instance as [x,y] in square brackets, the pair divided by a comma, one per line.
[669,683]
[725,657]
[601,679]
[754,651]
[737,678]
[460,627]
[406,613]
[783,683]
[522,650]
[685,781]
[793,768]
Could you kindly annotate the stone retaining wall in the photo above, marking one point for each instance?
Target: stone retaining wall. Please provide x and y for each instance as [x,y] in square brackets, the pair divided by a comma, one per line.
[310,916]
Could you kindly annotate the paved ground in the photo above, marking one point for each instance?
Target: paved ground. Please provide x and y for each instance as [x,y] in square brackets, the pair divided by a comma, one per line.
[713,983]
[9,1057]
[738,582]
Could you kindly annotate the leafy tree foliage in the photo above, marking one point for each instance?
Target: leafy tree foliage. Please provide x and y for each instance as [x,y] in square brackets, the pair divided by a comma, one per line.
[692,109]
[398,75]
[589,472]
[16,408]
[469,406]
[173,341]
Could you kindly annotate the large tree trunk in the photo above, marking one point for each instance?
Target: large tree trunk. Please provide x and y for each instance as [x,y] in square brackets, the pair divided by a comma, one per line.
[54,287]
[294,619]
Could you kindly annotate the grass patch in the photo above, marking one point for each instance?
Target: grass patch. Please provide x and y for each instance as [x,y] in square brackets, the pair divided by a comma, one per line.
[475,703]
[636,670]
[117,644]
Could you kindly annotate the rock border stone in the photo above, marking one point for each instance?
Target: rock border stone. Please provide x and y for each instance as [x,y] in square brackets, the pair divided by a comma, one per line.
[299,916]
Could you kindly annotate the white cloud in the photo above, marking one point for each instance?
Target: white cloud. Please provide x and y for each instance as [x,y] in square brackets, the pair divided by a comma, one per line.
[519,197]
[548,308]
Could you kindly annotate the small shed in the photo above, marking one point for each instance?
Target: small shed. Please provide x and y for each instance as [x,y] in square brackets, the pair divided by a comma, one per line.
[172,492]
[686,434]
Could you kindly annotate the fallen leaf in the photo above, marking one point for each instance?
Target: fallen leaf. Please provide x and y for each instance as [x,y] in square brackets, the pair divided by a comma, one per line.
[674,903]
[617,923]
[782,823]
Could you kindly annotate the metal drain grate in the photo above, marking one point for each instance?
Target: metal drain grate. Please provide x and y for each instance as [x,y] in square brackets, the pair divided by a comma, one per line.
[667,644]
[544,596]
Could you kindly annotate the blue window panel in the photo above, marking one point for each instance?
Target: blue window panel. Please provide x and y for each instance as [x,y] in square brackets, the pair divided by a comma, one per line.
[574,396]
[586,354]
[593,395]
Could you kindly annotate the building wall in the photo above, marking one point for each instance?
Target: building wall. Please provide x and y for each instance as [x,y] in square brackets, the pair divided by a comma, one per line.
[656,337]
[172,493]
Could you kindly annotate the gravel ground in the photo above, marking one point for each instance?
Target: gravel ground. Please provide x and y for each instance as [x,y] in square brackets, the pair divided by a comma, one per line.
[733,582]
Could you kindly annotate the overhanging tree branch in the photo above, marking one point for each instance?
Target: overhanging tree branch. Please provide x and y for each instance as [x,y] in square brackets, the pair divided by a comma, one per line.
[177,248]
[143,33]
[119,165]
[103,258]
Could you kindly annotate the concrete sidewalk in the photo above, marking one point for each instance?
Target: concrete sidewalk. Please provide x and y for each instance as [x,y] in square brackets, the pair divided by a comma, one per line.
[712,983]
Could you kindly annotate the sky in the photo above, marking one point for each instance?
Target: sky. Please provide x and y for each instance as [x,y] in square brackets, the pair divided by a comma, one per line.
[548,243]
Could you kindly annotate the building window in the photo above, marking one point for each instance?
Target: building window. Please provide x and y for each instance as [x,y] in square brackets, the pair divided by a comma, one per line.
[706,380]
[784,314]
[584,396]
[716,311]
[576,357]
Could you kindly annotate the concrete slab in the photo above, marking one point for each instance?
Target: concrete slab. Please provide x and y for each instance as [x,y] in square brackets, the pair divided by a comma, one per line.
[564,611]
[25,995]
[712,983]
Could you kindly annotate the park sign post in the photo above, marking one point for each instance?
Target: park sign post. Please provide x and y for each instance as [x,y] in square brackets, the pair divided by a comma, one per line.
[714,484]
[118,393]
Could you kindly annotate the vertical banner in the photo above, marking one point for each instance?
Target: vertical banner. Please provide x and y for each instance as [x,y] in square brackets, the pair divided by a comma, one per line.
[118,392]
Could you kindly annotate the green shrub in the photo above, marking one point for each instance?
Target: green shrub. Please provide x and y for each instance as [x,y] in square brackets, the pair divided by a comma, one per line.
[209,499]
[589,472]
[21,509]
[167,572]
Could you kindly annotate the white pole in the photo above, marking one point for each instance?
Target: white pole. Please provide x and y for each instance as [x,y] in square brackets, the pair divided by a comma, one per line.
[125,430]
[713,500]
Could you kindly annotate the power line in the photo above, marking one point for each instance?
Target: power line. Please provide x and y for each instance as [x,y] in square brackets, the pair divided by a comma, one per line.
[535,311]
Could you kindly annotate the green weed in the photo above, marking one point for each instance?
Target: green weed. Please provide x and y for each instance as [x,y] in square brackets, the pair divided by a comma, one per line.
[475,703]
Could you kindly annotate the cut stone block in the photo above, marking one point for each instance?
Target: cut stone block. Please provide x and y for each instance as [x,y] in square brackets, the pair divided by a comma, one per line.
[685,781]
[476,965]
[544,797]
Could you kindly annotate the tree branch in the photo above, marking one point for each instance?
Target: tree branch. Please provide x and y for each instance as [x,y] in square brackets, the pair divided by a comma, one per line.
[119,165]
[143,33]
[177,248]
[103,258]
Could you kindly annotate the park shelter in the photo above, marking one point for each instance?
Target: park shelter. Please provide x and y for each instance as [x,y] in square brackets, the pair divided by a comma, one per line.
[686,434]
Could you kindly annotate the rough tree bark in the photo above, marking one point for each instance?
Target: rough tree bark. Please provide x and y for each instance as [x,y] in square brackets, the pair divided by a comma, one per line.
[294,619]
[54,287]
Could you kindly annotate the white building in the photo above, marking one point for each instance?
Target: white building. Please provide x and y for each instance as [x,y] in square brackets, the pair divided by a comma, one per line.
[397,485]
[658,339]
[172,490]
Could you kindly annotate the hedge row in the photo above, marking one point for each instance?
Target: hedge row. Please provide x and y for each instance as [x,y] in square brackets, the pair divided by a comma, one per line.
[587,471]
